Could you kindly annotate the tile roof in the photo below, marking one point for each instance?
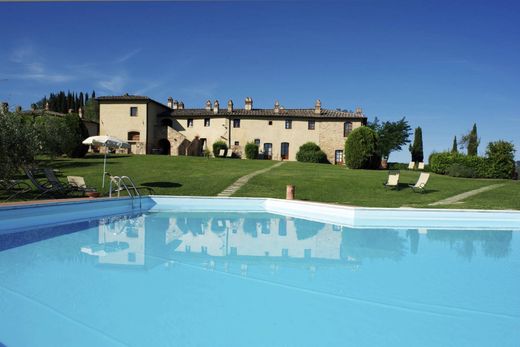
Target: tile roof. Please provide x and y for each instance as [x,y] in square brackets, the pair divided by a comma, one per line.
[292,113]
[123,97]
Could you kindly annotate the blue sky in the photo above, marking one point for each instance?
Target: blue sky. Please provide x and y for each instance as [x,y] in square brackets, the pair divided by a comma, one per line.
[441,64]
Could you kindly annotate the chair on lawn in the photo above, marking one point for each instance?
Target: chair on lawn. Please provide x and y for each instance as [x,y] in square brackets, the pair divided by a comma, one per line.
[43,187]
[229,154]
[79,184]
[57,185]
[393,180]
[222,153]
[411,166]
[421,182]
[14,188]
[420,166]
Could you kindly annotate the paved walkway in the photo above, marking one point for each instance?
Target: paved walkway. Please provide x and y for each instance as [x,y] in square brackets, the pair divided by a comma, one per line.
[459,197]
[244,179]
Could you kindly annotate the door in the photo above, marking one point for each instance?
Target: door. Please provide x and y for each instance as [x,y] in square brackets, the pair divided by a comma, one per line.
[268,151]
[284,152]
[338,157]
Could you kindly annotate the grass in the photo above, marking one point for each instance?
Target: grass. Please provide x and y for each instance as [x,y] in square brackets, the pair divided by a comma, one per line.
[315,182]
[335,184]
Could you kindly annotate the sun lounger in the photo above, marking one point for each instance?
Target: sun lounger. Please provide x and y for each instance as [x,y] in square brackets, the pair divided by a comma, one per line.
[57,185]
[14,188]
[44,186]
[393,180]
[421,182]
[411,166]
[229,154]
[79,184]
[222,153]
[420,166]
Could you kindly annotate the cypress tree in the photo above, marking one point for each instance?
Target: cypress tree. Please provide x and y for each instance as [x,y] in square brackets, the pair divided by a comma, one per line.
[93,94]
[454,146]
[86,98]
[416,149]
[473,141]
[81,102]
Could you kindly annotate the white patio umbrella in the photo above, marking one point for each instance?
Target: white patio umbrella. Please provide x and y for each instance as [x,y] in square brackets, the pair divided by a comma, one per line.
[109,142]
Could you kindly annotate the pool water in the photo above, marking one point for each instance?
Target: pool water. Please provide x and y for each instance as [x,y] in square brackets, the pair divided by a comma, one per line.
[256,279]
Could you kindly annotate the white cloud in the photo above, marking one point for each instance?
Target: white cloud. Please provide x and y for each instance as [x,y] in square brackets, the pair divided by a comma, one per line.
[114,84]
[127,56]
[21,53]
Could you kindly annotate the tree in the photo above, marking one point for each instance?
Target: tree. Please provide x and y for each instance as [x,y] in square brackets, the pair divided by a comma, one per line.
[501,155]
[416,149]
[454,149]
[471,141]
[18,143]
[311,153]
[361,150]
[391,135]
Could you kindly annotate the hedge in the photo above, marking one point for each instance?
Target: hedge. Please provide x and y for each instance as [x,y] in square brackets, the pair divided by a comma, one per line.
[459,165]
[361,149]
[217,146]
[251,150]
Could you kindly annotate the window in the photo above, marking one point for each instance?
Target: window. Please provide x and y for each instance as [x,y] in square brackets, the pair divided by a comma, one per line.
[206,122]
[270,122]
[190,123]
[257,142]
[338,157]
[133,136]
[311,125]
[288,124]
[237,143]
[284,150]
[236,123]
[268,151]
[347,129]
[133,111]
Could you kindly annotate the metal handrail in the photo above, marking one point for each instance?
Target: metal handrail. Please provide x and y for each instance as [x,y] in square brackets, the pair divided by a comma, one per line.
[120,181]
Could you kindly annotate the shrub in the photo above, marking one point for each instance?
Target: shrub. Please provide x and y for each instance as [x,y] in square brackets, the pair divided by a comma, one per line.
[61,135]
[442,162]
[501,155]
[217,146]
[459,170]
[311,153]
[251,150]
[361,149]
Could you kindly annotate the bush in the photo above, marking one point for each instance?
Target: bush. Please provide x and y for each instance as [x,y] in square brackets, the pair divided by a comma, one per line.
[251,150]
[311,153]
[501,155]
[361,149]
[217,146]
[459,170]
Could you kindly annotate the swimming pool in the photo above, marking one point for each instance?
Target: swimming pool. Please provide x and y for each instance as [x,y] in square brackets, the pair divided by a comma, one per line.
[256,272]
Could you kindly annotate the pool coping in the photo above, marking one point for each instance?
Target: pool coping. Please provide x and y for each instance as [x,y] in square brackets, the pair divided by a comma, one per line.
[20,216]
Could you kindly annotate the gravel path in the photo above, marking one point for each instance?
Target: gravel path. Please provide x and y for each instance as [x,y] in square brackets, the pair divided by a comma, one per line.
[459,197]
[244,179]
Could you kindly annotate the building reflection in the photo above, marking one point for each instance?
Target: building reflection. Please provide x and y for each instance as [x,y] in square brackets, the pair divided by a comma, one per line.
[220,239]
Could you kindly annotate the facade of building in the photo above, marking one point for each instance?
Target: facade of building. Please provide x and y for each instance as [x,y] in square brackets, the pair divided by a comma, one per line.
[152,127]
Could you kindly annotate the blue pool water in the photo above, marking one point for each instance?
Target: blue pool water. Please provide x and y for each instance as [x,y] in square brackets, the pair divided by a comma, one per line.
[256,279]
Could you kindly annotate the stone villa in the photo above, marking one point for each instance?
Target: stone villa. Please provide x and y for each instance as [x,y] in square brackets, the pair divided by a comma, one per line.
[155,128]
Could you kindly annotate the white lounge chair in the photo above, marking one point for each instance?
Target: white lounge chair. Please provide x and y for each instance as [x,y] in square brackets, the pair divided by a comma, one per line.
[393,180]
[78,183]
[222,153]
[411,166]
[229,154]
[421,182]
[420,166]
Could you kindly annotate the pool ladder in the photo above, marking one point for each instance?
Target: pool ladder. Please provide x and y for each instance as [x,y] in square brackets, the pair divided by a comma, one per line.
[126,183]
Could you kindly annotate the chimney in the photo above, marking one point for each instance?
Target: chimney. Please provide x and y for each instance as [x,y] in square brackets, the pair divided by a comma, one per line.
[5,108]
[180,106]
[215,107]
[80,112]
[170,102]
[47,106]
[175,105]
[359,111]
[249,104]
[208,105]
[276,107]
[18,109]
[317,107]
[230,106]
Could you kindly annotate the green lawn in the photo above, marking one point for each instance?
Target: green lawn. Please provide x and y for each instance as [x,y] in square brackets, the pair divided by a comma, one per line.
[314,182]
[335,184]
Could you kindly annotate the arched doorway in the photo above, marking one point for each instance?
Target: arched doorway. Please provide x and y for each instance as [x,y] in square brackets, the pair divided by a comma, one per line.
[165,146]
